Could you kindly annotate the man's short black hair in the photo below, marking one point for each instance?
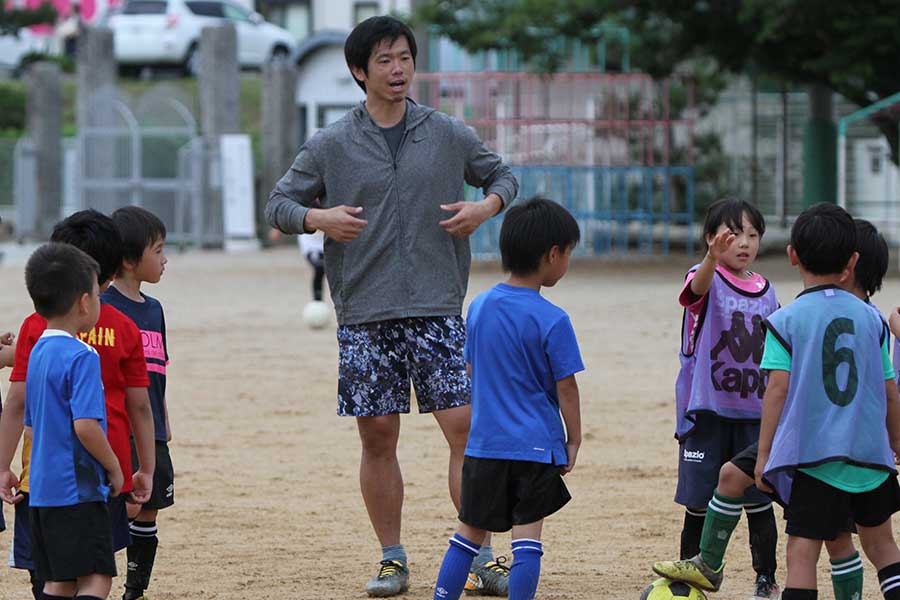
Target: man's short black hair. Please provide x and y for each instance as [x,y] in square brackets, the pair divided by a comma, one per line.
[95,234]
[139,229]
[824,238]
[367,35]
[731,212]
[57,275]
[530,229]
[873,257]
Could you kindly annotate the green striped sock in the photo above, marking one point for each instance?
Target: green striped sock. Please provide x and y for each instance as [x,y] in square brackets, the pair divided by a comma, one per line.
[722,516]
[847,577]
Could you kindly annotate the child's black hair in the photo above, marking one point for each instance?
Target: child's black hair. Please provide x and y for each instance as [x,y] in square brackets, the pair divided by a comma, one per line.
[873,257]
[824,238]
[139,229]
[731,211]
[95,234]
[367,35]
[56,276]
[530,229]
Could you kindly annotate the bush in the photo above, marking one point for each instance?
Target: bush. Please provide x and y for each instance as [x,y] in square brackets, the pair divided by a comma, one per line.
[13,100]
[66,63]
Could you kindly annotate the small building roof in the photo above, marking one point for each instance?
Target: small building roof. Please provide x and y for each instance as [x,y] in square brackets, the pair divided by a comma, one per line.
[319,40]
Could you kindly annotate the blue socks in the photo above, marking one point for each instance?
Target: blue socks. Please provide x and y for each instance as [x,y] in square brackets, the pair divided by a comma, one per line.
[394,553]
[455,568]
[526,569]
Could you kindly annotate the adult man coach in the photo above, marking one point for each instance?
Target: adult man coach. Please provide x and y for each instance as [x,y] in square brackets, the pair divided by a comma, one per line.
[384,184]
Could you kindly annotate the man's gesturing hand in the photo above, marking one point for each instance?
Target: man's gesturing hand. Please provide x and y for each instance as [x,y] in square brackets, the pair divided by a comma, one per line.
[338,223]
[469,215]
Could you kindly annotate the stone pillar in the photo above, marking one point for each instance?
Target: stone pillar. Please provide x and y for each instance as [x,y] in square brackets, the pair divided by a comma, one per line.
[96,73]
[280,130]
[45,130]
[219,83]
[95,112]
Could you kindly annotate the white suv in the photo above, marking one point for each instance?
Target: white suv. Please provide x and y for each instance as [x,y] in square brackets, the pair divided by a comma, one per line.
[154,32]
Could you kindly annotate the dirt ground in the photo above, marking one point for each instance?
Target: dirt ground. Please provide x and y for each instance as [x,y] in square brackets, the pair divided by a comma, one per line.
[267,497]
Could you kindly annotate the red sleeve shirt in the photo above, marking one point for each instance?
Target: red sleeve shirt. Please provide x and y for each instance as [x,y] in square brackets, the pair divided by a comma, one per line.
[117,340]
[31,330]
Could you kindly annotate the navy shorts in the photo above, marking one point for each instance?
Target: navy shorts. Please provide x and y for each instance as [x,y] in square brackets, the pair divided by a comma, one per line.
[118,519]
[22,556]
[713,443]
[378,360]
[163,494]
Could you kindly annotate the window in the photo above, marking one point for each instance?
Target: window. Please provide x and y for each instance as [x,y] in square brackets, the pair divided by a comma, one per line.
[235,12]
[364,10]
[329,113]
[206,9]
[294,17]
[145,7]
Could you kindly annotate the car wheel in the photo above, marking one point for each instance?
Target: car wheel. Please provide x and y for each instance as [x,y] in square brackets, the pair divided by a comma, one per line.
[191,64]
[280,54]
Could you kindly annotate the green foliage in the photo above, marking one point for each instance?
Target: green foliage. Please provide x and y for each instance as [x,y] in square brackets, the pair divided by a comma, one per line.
[66,63]
[850,47]
[14,19]
[13,100]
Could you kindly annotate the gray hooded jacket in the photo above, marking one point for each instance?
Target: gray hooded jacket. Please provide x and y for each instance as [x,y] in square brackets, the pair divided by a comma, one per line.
[403,264]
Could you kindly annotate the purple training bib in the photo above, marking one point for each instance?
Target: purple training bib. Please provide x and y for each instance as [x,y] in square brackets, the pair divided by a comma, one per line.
[720,359]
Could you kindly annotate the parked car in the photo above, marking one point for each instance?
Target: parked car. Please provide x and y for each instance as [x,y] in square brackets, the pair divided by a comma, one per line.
[167,32]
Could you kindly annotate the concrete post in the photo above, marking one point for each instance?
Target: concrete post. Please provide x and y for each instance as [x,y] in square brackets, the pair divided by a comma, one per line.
[45,129]
[96,73]
[280,130]
[219,82]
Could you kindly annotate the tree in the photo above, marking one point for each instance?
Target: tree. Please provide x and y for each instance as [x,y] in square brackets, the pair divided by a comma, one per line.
[848,47]
[14,19]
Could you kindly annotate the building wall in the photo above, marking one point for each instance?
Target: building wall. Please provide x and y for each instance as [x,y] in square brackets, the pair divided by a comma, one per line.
[342,14]
[325,89]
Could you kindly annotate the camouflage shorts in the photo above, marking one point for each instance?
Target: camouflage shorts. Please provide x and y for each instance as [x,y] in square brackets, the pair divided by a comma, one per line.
[377,361]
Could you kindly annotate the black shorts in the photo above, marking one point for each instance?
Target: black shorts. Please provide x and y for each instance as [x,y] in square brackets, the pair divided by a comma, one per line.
[819,511]
[163,495]
[497,493]
[72,541]
[745,460]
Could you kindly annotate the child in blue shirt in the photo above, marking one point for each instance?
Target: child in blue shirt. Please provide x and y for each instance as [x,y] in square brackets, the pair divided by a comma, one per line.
[73,467]
[522,355]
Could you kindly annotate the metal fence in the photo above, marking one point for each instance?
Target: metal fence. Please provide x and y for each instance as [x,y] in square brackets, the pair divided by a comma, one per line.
[762,155]
[146,153]
[608,147]
[620,210]
[152,157]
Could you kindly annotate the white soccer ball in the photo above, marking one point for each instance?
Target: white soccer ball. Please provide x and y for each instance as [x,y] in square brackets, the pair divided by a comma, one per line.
[316,315]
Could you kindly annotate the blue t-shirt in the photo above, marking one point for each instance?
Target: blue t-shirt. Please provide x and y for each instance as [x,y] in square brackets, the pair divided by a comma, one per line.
[149,318]
[519,346]
[63,385]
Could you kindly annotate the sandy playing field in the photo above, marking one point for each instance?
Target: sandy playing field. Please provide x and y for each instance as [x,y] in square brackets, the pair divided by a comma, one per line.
[267,497]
